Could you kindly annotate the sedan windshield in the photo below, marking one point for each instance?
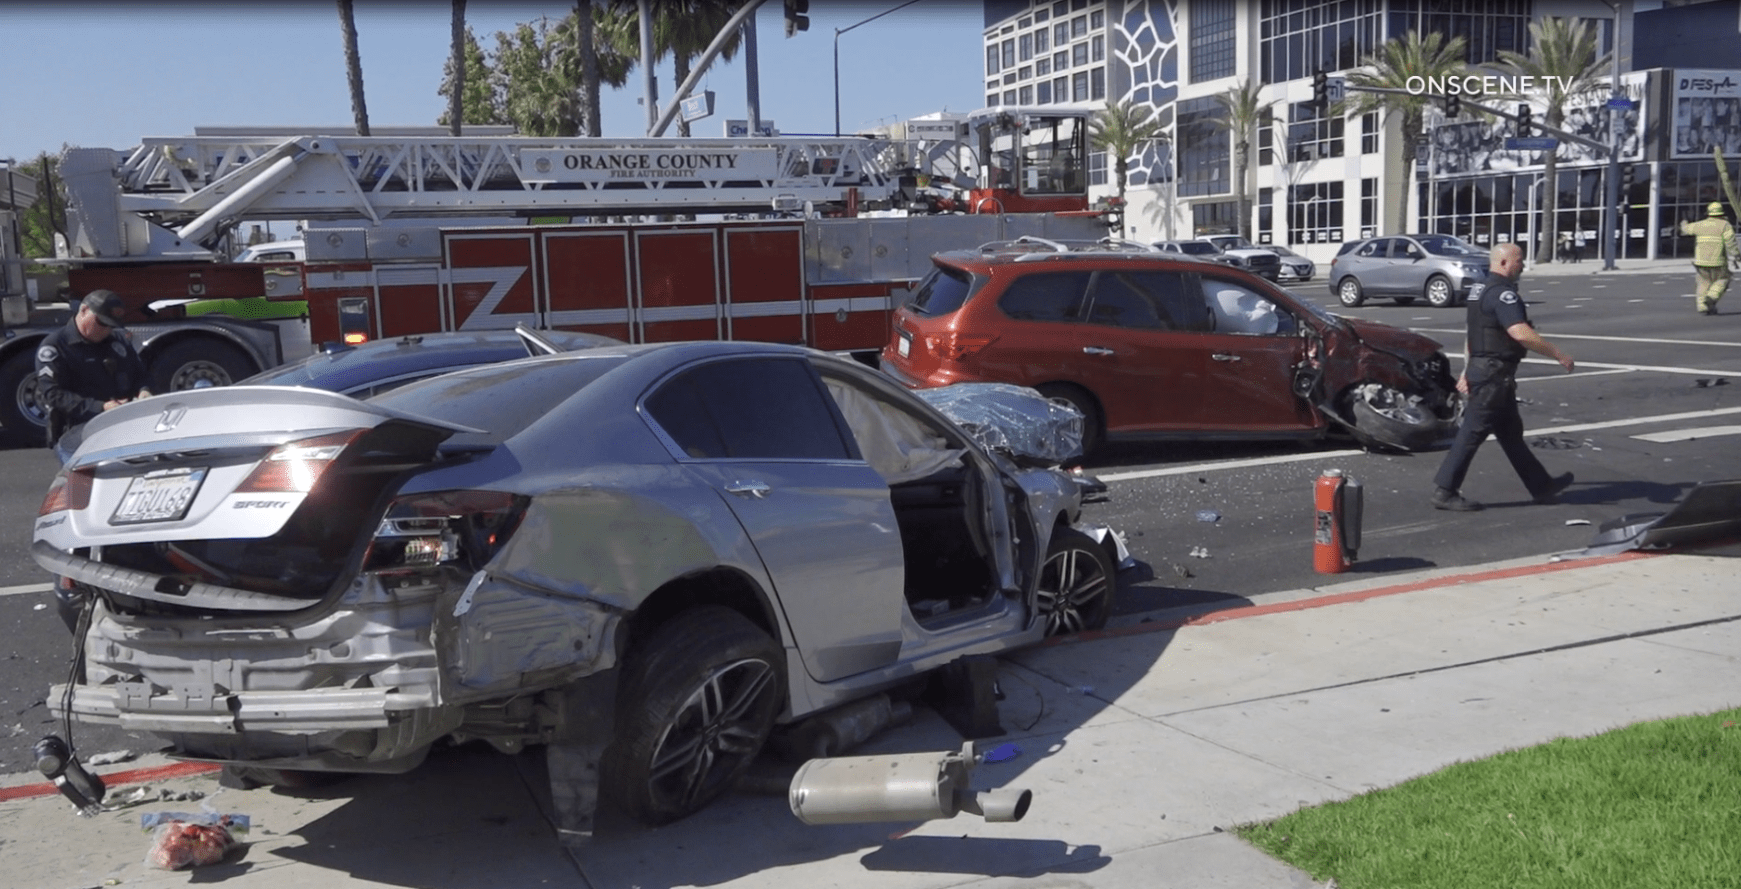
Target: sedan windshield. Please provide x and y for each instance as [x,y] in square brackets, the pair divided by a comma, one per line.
[1446,245]
[1197,248]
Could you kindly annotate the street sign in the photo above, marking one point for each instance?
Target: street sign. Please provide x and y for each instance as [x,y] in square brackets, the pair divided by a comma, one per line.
[1336,88]
[1619,102]
[1531,143]
[738,129]
[698,106]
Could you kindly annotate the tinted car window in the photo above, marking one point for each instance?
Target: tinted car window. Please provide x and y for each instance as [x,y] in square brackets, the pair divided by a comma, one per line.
[501,399]
[1198,248]
[1145,301]
[758,408]
[1446,245]
[942,292]
[1052,296]
[1375,247]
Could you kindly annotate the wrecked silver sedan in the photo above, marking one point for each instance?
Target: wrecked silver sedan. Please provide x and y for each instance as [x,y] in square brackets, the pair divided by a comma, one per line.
[653,553]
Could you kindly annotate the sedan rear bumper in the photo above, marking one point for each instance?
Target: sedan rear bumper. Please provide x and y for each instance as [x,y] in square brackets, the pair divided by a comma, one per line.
[134,706]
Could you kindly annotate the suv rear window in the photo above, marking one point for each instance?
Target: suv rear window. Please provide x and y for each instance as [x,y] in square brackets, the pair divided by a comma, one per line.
[1045,296]
[942,292]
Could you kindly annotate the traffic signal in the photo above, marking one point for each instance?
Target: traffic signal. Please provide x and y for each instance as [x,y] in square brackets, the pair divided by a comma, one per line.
[797,16]
[1453,105]
[1524,119]
[1321,89]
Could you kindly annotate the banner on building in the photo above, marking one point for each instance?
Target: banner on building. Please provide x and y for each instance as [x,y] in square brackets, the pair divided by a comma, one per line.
[1479,146]
[1707,112]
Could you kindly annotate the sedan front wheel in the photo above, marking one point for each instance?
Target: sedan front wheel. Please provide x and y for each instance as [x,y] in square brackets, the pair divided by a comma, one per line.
[697,700]
[1076,584]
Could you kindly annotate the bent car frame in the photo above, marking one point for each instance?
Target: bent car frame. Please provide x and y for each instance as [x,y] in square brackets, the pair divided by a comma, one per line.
[644,557]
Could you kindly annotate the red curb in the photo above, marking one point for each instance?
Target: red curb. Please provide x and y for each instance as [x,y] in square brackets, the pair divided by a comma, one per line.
[1345,598]
[116,779]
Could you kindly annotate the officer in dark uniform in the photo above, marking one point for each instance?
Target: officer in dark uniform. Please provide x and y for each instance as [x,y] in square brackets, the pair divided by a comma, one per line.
[86,367]
[1499,333]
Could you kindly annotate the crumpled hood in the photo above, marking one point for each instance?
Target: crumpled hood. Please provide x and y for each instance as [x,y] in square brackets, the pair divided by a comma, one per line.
[1382,336]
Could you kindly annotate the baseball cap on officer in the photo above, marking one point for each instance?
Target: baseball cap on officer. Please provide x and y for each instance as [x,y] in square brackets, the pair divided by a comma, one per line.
[106,305]
[1714,209]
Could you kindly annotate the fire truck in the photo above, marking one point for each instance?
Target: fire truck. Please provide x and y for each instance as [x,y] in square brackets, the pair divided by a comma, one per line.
[791,239]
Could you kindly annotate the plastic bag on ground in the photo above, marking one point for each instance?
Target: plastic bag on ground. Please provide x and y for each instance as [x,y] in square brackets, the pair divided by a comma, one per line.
[181,840]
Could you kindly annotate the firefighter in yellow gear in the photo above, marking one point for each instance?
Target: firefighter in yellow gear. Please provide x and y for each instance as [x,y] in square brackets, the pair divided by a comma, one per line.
[1713,251]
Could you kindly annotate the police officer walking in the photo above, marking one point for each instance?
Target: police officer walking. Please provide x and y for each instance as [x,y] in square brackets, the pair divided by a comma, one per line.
[86,368]
[1715,242]
[1499,332]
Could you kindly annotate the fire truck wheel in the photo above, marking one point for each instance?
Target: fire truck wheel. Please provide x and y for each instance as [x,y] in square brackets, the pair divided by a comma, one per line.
[197,364]
[23,422]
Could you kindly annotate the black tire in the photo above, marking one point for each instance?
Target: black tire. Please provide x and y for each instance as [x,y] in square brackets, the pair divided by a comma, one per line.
[1348,292]
[23,422]
[1093,424]
[1077,584]
[1439,292]
[1405,300]
[696,702]
[197,363]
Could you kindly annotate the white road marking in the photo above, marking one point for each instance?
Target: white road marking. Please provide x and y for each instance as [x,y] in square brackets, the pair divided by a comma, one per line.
[1230,464]
[1689,434]
[1637,421]
[1610,339]
[1581,374]
[26,589]
[1328,455]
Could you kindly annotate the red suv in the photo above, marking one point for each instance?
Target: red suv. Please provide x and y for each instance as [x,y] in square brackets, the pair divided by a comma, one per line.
[1148,345]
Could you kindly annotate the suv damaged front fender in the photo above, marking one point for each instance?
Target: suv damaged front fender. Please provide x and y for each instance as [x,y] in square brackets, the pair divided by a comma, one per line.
[1388,388]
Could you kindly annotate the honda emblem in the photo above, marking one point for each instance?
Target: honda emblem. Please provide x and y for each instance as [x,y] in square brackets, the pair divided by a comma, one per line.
[171,415]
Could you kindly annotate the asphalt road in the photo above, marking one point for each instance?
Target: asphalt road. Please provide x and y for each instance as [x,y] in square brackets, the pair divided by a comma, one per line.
[1647,365]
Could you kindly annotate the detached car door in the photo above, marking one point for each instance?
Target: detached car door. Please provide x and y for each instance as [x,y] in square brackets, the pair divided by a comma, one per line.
[763,433]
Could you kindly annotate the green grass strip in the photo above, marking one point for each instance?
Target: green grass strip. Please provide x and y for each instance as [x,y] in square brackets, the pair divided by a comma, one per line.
[1652,806]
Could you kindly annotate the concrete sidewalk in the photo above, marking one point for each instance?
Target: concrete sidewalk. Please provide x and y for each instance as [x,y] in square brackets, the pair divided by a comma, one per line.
[1142,745]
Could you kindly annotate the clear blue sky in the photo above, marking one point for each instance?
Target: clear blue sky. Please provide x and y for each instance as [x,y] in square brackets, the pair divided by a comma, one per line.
[106,74]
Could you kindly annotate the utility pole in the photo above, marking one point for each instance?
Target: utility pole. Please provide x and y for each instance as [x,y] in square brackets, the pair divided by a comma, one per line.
[1611,207]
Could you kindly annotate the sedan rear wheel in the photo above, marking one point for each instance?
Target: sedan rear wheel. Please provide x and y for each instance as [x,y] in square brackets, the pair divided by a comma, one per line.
[1348,292]
[697,701]
[1076,584]
[1439,292]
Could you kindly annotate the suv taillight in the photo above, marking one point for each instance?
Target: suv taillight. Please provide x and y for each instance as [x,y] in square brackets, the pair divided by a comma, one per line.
[69,490]
[955,346]
[426,530]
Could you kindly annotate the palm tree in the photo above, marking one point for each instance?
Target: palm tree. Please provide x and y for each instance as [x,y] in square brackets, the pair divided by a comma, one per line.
[586,52]
[1562,54]
[457,65]
[1392,67]
[1122,130]
[1241,113]
[683,29]
[353,66]
[479,103]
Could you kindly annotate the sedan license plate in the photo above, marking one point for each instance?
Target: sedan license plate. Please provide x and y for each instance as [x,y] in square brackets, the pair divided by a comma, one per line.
[160,496]
[904,344]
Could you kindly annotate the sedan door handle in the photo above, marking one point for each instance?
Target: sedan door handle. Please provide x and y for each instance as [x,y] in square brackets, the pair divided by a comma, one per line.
[751,488]
[1096,350]
[1223,356]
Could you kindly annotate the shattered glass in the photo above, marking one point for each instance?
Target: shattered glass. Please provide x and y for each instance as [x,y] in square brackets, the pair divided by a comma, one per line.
[1015,420]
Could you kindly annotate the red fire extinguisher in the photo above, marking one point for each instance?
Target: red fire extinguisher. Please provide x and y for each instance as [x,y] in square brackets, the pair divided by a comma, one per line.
[1336,537]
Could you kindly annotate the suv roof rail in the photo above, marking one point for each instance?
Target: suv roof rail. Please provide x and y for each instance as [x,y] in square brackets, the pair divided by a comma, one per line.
[1035,247]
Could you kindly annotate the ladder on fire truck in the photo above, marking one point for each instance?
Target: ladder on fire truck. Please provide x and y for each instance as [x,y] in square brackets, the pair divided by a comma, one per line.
[195,188]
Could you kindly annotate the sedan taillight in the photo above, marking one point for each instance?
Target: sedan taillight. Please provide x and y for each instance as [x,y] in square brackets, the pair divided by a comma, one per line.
[69,490]
[294,467]
[446,527]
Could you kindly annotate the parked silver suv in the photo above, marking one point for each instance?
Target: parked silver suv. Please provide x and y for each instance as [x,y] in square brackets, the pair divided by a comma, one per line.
[1406,267]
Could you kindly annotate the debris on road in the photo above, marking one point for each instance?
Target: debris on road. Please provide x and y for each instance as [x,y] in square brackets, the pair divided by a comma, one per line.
[180,840]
